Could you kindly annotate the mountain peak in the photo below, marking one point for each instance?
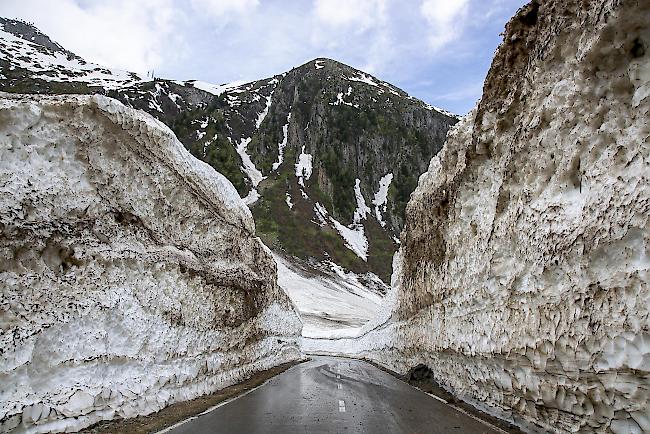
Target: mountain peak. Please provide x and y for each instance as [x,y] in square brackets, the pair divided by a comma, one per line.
[29,32]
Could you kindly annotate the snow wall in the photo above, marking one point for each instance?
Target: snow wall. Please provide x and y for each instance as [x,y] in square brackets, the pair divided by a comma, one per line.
[131,277]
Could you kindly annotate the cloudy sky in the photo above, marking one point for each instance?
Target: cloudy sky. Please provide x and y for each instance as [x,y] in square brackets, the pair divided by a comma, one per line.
[436,50]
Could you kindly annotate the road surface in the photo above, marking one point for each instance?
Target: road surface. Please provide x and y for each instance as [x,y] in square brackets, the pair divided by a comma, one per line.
[334,395]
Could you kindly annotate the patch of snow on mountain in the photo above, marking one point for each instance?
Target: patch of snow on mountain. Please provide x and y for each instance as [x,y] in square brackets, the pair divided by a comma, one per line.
[443,111]
[249,168]
[363,78]
[215,89]
[362,209]
[208,143]
[287,199]
[318,65]
[262,115]
[332,302]
[174,97]
[251,197]
[283,144]
[153,104]
[303,166]
[234,101]
[381,197]
[354,237]
[321,214]
[340,100]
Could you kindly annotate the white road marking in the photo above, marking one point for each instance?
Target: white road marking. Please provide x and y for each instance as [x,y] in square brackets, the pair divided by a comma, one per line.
[437,397]
[341,406]
[339,386]
[338,376]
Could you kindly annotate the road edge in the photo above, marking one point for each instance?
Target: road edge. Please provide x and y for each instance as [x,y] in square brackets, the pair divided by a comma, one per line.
[179,413]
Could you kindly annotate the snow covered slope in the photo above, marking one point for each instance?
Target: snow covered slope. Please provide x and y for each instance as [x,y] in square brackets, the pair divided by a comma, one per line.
[131,275]
[525,272]
[332,302]
[24,48]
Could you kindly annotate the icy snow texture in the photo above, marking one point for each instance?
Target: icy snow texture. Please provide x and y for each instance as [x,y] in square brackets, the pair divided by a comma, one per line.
[131,276]
[524,282]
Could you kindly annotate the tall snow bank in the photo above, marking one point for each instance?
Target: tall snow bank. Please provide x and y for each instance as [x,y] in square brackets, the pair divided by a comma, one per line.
[524,282]
[131,275]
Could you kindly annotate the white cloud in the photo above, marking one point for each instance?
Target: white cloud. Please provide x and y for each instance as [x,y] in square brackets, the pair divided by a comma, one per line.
[445,18]
[220,8]
[136,36]
[360,13]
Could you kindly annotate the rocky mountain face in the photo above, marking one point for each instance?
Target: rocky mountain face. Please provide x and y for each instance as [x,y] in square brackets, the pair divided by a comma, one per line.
[132,277]
[324,151]
[522,280]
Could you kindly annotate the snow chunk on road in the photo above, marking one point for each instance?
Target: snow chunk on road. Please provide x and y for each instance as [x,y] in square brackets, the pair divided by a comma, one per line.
[381,197]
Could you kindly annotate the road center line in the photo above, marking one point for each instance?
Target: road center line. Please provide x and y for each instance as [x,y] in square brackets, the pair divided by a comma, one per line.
[341,406]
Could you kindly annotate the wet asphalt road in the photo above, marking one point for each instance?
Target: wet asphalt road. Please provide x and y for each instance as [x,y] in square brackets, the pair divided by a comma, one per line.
[334,395]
